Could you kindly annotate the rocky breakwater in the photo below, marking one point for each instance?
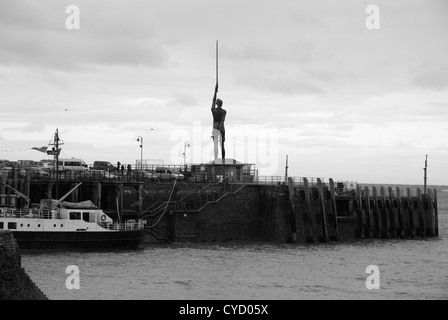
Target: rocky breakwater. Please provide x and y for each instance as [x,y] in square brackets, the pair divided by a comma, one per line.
[15,284]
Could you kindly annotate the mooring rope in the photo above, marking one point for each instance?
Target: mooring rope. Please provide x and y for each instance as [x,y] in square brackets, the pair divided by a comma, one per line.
[166,206]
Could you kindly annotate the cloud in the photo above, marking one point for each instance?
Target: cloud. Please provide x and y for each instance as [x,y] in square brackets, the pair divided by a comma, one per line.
[430,75]
[35,126]
[183,100]
[311,70]
[268,50]
[34,34]
[437,111]
[280,80]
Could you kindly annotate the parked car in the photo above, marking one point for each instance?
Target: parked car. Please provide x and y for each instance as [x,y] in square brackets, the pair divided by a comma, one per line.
[6,171]
[72,164]
[100,175]
[142,175]
[187,174]
[104,165]
[6,164]
[46,164]
[34,172]
[164,173]
[27,163]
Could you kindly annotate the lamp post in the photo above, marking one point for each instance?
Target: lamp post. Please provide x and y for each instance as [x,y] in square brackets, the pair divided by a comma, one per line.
[186,144]
[140,139]
[425,170]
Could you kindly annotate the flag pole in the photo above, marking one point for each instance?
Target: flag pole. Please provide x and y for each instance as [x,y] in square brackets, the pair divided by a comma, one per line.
[216,61]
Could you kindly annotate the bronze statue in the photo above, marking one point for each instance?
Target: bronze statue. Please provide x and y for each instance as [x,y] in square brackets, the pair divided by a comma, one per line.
[219,131]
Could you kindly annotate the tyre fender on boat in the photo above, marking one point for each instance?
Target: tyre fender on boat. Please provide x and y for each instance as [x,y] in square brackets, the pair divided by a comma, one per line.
[103,217]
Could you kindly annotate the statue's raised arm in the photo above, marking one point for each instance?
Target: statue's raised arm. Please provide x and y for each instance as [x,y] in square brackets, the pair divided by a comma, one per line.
[214,97]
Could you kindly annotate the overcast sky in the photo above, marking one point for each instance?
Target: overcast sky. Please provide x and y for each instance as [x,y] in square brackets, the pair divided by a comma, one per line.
[305,79]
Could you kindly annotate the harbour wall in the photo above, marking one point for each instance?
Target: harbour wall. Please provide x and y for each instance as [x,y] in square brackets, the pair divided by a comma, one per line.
[302,213]
[15,283]
[306,212]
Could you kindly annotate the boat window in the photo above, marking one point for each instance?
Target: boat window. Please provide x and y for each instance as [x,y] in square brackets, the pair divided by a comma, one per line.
[85,216]
[75,215]
[1,225]
[12,225]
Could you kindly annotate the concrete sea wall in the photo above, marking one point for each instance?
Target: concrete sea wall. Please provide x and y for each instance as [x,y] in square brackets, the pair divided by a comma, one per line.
[294,211]
[15,284]
[303,214]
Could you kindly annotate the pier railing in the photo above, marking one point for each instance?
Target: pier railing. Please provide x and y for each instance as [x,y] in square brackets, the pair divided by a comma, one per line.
[247,177]
[272,180]
[25,213]
[88,175]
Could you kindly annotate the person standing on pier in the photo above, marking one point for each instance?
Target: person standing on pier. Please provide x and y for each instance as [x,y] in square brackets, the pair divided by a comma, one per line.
[128,171]
[219,131]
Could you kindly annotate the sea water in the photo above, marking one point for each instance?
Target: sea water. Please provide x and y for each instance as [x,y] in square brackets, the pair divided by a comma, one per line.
[406,269]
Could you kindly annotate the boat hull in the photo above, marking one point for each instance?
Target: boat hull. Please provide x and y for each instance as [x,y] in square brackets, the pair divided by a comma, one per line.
[129,239]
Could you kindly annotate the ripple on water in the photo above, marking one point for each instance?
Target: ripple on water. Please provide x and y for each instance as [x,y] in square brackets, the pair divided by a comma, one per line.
[409,269]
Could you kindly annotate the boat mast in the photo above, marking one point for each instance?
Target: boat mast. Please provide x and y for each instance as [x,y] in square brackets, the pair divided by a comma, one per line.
[56,159]
[55,152]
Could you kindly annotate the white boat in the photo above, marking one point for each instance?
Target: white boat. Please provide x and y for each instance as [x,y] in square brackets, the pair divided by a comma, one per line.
[57,224]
